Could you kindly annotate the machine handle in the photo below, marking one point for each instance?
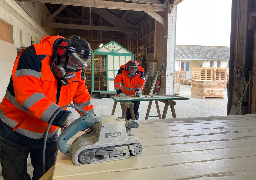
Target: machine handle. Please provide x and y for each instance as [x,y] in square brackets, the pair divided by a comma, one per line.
[81,123]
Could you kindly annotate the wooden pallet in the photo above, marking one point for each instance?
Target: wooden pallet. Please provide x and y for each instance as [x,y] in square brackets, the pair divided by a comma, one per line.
[203,89]
[211,74]
[180,77]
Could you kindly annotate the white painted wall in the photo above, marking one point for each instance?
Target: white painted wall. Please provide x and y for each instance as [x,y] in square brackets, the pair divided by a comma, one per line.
[198,63]
[12,14]
[8,55]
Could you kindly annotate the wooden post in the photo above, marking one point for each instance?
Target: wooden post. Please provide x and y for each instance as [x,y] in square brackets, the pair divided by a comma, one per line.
[158,110]
[165,109]
[149,107]
[124,109]
[132,111]
[114,108]
[172,104]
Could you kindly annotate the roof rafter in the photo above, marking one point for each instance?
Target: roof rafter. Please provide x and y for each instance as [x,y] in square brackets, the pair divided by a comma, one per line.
[155,16]
[55,13]
[105,4]
[88,27]
[115,20]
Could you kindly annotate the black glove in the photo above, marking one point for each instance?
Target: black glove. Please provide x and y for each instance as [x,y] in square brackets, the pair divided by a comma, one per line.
[119,91]
[60,118]
[138,90]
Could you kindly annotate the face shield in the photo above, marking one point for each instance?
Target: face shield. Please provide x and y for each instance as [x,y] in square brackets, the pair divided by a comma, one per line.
[132,70]
[77,60]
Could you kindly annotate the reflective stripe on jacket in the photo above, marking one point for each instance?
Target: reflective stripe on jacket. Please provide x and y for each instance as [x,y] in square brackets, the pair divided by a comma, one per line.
[30,99]
[129,84]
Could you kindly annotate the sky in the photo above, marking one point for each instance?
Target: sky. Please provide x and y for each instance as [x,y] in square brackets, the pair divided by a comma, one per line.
[203,22]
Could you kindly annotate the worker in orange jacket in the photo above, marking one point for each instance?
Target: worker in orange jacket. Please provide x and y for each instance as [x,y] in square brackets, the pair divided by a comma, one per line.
[129,81]
[44,78]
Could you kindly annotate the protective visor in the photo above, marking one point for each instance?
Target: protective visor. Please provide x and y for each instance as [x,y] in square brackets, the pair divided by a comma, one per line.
[77,61]
[133,68]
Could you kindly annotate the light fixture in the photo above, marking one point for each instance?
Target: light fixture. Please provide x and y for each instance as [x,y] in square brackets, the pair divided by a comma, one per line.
[100,45]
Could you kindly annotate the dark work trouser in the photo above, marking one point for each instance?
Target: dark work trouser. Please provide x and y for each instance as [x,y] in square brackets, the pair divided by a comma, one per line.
[14,160]
[136,110]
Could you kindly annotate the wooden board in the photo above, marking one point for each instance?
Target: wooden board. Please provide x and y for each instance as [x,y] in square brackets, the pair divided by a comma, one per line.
[188,148]
[149,98]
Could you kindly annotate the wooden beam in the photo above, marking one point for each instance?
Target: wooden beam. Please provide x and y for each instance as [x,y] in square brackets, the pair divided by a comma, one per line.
[55,13]
[154,2]
[146,1]
[105,4]
[156,16]
[88,27]
[90,39]
[72,19]
[112,18]
[123,16]
[115,21]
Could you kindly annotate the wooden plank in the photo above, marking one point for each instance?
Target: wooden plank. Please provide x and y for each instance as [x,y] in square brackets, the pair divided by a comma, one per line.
[155,2]
[4,32]
[105,4]
[88,27]
[181,145]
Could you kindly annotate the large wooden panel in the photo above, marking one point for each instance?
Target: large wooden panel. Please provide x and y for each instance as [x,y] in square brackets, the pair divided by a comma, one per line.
[4,32]
[182,149]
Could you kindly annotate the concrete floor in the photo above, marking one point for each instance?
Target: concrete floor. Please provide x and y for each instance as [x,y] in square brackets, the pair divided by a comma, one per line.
[194,107]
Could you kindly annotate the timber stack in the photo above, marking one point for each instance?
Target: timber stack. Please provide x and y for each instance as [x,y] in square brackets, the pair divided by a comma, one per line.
[208,82]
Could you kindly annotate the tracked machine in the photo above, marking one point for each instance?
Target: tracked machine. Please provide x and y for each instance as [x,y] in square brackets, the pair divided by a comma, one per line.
[108,139]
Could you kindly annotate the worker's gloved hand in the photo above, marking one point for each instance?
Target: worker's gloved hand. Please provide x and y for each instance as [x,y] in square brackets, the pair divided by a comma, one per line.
[138,92]
[70,119]
[119,91]
[121,95]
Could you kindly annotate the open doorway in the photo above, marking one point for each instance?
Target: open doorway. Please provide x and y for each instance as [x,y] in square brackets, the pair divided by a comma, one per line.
[202,50]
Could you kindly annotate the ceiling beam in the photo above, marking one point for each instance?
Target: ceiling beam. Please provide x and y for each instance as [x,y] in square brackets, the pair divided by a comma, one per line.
[72,19]
[154,2]
[115,21]
[88,27]
[105,4]
[55,13]
[123,16]
[156,16]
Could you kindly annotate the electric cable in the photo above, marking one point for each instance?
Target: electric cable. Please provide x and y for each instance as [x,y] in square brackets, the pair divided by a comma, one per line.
[50,122]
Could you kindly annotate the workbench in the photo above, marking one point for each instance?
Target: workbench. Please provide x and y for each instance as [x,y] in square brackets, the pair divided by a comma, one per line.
[168,100]
[208,148]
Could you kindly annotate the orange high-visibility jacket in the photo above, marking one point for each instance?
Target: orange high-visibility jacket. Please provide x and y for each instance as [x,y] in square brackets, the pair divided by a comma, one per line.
[127,83]
[30,99]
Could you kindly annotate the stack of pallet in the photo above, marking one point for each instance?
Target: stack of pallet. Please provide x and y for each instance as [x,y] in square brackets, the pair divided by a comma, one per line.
[180,76]
[208,82]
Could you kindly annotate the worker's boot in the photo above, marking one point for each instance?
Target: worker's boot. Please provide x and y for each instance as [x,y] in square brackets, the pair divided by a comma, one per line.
[128,114]
[137,115]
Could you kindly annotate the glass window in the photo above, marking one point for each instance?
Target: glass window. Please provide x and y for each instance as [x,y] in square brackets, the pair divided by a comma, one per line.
[218,63]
